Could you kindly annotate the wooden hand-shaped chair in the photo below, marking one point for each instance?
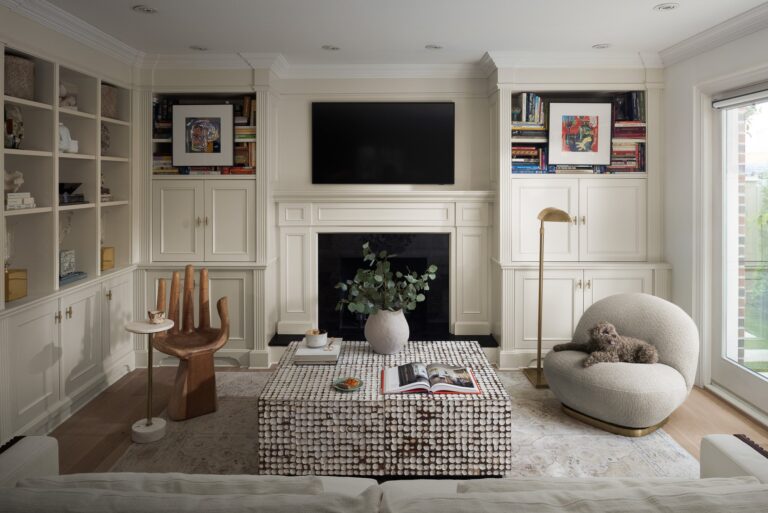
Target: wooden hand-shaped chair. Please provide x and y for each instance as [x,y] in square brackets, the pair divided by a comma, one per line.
[194,393]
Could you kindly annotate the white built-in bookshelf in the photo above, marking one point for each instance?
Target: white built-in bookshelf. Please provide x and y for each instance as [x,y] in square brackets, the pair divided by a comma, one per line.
[30,237]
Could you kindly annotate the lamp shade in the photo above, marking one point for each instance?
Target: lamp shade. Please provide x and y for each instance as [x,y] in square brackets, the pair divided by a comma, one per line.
[555,215]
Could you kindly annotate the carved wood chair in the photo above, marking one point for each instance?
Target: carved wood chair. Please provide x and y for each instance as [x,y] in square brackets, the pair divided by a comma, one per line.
[194,392]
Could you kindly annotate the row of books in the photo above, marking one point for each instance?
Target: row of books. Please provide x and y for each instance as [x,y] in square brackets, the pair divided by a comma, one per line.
[245,154]
[245,112]
[528,108]
[629,106]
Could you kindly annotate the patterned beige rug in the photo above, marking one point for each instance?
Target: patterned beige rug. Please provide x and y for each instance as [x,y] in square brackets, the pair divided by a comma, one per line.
[546,442]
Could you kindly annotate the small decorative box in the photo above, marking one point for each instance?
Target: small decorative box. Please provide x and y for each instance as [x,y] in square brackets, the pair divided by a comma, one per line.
[15,284]
[66,262]
[107,258]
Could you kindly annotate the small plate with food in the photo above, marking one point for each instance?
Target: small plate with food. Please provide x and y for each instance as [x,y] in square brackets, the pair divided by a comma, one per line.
[347,383]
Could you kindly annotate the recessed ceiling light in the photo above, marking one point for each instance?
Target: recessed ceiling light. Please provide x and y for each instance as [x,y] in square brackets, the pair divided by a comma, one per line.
[198,48]
[666,6]
[144,9]
[433,47]
[330,48]
[601,46]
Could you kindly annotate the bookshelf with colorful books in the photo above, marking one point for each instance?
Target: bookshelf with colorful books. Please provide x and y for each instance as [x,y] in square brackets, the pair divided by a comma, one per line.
[530,132]
[244,134]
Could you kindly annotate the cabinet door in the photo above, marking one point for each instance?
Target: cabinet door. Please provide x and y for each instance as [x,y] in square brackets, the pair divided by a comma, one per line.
[612,219]
[117,311]
[563,306]
[33,363]
[81,352]
[230,217]
[529,197]
[601,283]
[177,220]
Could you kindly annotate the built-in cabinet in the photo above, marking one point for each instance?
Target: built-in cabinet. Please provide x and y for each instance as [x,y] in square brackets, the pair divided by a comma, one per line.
[203,220]
[608,219]
[567,294]
[60,352]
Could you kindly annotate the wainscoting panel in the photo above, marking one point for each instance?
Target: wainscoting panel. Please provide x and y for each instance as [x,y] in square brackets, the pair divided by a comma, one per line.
[383,214]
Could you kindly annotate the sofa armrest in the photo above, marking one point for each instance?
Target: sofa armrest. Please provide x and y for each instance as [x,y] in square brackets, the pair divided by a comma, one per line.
[32,456]
[729,456]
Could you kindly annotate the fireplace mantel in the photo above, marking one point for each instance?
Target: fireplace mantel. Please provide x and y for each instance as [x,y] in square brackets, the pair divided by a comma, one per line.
[464,215]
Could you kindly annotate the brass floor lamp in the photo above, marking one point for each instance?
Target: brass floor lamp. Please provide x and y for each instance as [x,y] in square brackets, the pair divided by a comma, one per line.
[551,214]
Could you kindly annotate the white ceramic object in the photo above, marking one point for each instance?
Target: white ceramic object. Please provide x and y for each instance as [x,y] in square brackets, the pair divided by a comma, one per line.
[387,332]
[141,433]
[316,338]
[65,138]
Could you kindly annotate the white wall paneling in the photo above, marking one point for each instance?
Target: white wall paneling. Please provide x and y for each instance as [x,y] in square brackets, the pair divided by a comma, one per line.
[238,286]
[466,222]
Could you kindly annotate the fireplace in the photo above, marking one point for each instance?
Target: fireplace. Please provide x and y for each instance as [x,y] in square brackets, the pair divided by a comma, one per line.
[339,257]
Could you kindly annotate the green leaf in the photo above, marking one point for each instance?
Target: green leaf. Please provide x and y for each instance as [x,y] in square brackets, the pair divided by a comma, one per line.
[382,254]
[420,298]
[378,278]
[432,269]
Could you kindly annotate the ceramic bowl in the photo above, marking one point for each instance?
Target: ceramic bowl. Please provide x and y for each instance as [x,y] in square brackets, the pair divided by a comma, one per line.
[316,338]
[156,316]
[343,384]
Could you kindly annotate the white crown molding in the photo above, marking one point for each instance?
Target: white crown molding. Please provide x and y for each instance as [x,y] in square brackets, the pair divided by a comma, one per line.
[71,26]
[595,59]
[730,30]
[379,71]
[196,61]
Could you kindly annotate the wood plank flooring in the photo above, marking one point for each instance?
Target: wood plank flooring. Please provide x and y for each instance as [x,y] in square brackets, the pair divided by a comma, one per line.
[95,437]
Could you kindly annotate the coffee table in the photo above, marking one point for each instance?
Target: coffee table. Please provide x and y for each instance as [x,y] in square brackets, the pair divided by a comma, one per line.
[308,427]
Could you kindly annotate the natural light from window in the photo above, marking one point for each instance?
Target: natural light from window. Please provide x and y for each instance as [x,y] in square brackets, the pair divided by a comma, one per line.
[746,237]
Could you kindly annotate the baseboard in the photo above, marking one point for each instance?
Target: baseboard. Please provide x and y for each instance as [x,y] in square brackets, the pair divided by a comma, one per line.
[517,359]
[64,409]
[222,358]
[259,359]
[746,408]
[471,328]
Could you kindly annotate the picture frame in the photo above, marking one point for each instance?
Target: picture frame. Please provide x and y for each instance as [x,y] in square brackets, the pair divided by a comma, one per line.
[203,135]
[580,133]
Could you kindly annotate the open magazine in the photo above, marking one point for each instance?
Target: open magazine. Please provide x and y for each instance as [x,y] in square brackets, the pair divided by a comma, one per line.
[436,378]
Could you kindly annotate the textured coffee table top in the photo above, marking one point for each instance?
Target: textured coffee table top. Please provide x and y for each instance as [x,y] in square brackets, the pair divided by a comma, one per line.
[313,382]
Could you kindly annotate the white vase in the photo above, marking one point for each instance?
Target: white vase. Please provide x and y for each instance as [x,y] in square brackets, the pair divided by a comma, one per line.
[387,332]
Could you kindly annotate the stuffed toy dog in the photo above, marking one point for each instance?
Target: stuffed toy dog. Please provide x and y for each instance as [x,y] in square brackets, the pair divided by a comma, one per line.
[606,345]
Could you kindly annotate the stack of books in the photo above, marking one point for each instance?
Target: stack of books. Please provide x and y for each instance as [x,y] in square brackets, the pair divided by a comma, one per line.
[163,165]
[529,159]
[245,133]
[627,156]
[327,355]
[19,201]
[629,129]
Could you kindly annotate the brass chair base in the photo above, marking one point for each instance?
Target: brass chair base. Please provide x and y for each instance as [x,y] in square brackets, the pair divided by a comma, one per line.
[612,428]
[537,379]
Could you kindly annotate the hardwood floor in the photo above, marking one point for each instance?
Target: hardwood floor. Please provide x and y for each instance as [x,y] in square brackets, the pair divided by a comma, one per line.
[94,438]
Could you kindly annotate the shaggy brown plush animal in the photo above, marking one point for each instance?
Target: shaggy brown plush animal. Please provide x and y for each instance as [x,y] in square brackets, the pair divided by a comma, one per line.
[606,345]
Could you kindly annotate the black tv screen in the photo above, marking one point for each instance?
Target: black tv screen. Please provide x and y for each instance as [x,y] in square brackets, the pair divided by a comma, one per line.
[382,143]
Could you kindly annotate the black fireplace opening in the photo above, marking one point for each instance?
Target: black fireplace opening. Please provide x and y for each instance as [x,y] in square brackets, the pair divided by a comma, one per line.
[340,256]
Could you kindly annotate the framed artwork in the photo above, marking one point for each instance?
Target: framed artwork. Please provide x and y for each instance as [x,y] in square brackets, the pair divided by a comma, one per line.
[203,135]
[580,133]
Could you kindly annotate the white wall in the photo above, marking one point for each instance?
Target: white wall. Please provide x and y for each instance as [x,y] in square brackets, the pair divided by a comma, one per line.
[737,63]
[294,171]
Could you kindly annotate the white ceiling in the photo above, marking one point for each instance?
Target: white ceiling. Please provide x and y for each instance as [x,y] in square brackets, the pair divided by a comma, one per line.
[396,31]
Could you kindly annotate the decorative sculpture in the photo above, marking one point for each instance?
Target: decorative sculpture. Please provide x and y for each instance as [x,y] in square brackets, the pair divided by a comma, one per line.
[13,181]
[194,392]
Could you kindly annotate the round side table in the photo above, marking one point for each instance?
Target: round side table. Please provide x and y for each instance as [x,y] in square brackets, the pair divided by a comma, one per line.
[150,429]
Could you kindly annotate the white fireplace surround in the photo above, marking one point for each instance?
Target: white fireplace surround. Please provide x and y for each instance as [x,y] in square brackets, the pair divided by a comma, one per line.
[465,215]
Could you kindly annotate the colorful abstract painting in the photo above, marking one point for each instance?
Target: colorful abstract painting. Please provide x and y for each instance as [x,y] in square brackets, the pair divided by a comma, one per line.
[580,134]
[203,135]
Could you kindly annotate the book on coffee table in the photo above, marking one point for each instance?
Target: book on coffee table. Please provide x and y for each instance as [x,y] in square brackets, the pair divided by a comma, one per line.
[326,355]
[435,378]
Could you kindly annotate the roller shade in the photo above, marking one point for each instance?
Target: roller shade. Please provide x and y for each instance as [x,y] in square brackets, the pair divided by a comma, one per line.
[741,97]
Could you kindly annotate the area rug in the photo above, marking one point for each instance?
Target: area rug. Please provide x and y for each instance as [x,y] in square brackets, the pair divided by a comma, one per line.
[545,442]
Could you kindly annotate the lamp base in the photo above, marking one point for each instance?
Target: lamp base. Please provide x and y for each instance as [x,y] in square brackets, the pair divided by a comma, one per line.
[536,377]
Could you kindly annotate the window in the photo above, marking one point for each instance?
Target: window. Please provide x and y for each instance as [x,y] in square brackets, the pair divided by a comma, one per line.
[745,237]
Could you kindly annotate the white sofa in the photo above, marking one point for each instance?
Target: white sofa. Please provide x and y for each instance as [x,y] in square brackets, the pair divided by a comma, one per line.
[733,476]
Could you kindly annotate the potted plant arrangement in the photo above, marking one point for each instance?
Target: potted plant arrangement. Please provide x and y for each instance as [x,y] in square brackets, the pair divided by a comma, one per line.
[384,295]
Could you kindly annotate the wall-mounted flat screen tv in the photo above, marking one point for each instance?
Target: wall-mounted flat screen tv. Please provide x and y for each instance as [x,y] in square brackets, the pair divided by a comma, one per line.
[382,143]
